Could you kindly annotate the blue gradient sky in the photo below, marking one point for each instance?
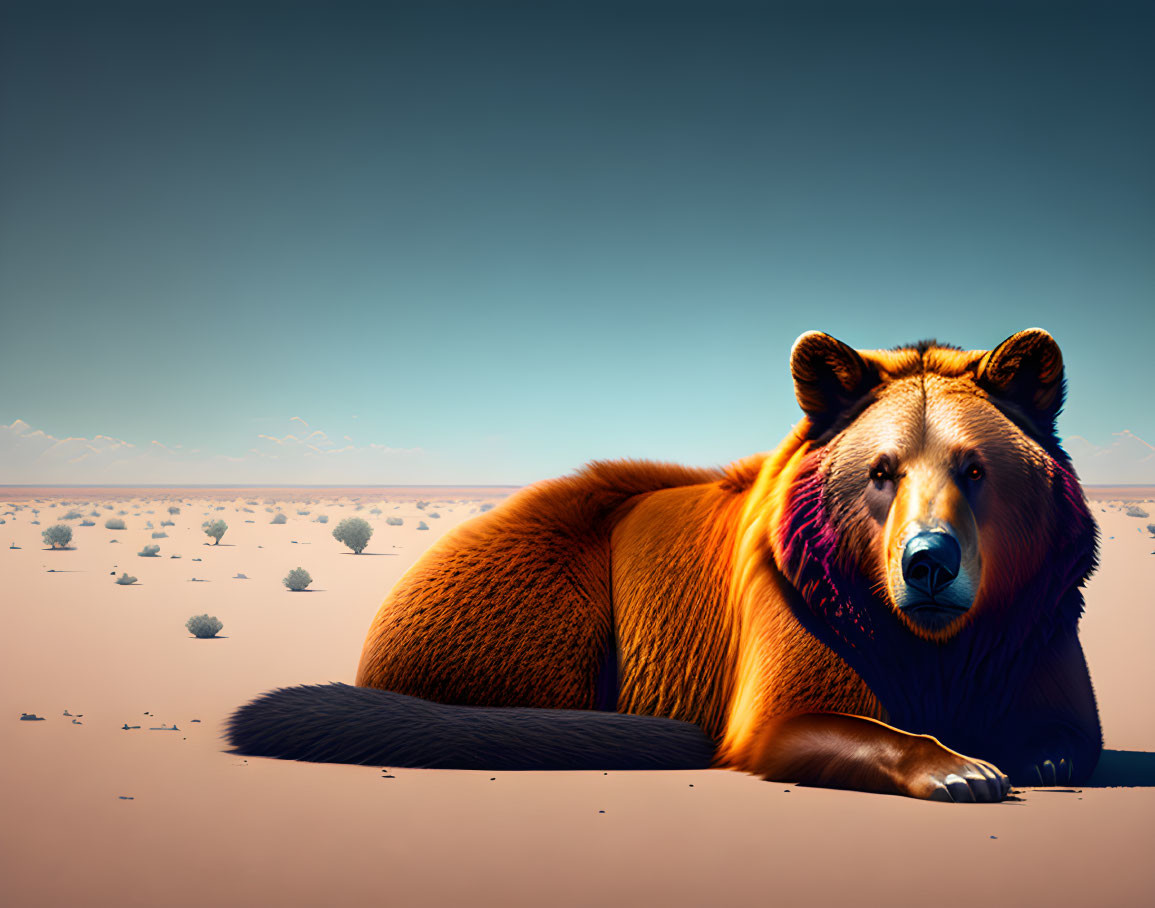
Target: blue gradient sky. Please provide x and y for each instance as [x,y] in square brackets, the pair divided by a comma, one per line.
[521,236]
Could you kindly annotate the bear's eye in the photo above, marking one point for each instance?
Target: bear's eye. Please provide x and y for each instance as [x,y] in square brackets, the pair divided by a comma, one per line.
[974,472]
[882,471]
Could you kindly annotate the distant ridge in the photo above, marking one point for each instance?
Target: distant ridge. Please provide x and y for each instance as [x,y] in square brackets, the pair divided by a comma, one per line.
[1120,492]
[209,485]
[16,491]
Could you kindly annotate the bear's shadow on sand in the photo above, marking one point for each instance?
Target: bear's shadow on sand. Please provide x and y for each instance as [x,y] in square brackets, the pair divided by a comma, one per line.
[1124,769]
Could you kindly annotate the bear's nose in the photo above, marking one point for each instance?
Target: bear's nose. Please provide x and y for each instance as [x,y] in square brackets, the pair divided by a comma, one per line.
[930,562]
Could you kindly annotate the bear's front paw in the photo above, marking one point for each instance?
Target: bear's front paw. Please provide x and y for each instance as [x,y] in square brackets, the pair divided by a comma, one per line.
[937,773]
[1052,756]
[1048,768]
[974,781]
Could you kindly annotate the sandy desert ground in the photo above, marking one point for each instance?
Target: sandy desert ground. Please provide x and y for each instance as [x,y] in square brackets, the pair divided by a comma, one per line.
[96,814]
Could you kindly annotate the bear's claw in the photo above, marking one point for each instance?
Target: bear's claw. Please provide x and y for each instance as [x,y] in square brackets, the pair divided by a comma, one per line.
[1050,772]
[978,783]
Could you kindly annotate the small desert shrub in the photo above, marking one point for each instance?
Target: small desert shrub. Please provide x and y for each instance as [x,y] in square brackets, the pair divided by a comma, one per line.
[301,513]
[88,523]
[72,515]
[36,523]
[122,513]
[435,515]
[422,505]
[393,521]
[58,535]
[125,579]
[322,518]
[354,532]
[279,519]
[94,513]
[168,523]
[297,579]
[375,512]
[114,523]
[1151,528]
[174,510]
[203,626]
[1135,511]
[149,551]
[160,534]
[215,529]
[422,525]
[251,504]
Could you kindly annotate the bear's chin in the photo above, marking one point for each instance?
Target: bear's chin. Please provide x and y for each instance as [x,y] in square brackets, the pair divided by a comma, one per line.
[932,616]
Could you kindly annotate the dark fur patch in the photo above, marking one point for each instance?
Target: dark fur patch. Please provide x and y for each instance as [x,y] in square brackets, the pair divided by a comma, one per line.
[608,684]
[337,723]
[922,346]
[954,689]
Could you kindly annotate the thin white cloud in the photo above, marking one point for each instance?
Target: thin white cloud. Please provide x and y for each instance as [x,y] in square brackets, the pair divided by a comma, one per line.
[30,455]
[1127,460]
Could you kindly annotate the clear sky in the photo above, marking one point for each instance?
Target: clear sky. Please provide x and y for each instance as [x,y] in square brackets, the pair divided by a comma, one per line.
[487,242]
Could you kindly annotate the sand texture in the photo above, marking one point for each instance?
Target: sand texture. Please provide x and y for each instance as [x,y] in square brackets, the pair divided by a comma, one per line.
[94,814]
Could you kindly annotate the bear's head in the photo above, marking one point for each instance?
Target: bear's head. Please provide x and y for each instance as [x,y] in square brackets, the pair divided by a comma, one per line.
[933,492]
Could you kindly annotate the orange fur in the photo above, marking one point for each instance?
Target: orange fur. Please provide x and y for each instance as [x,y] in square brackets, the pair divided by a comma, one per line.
[513,608]
[680,572]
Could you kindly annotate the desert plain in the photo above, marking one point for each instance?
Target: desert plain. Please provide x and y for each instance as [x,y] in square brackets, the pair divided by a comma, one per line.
[125,794]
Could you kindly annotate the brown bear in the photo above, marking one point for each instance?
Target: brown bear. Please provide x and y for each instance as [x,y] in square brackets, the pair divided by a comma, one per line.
[887,602]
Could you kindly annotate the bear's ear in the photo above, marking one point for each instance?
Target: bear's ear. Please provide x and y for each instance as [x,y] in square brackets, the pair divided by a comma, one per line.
[1026,370]
[829,376]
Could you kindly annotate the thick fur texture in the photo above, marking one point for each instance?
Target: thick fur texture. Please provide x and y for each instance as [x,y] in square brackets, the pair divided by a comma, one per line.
[769,604]
[336,723]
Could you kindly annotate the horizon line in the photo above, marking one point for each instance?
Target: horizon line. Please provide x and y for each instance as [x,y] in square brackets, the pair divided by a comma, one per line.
[233,485]
[399,485]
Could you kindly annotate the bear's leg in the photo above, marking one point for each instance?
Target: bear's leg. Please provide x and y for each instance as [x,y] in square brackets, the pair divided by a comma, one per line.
[517,616]
[835,750]
[1052,735]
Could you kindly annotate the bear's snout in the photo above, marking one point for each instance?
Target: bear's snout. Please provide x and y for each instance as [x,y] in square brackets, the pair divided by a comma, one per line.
[930,584]
[930,562]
